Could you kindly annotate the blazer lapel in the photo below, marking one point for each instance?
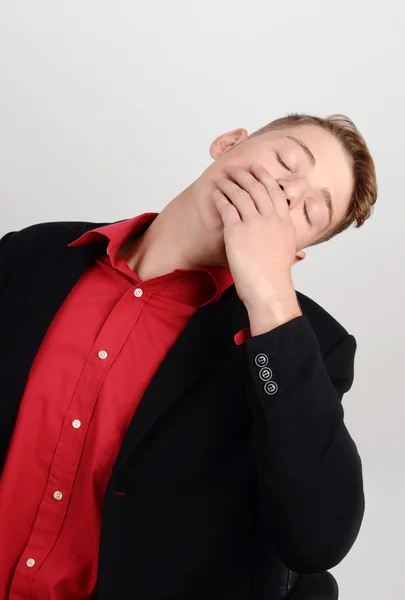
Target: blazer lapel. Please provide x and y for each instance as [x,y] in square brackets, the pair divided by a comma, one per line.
[207,339]
[52,281]
[25,318]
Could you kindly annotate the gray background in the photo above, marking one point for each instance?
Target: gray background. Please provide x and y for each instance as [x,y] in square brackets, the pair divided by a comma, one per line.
[108,109]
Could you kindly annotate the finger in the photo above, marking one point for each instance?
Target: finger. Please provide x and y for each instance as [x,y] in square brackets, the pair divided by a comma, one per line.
[228,212]
[272,187]
[240,198]
[253,187]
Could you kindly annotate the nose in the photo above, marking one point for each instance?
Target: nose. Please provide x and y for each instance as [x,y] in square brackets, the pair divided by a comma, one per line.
[295,190]
[282,187]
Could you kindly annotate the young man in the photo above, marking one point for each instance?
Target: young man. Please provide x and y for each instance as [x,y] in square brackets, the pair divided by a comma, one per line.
[171,423]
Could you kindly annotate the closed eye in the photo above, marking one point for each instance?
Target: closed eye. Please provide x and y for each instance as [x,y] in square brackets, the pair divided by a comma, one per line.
[282,163]
[306,215]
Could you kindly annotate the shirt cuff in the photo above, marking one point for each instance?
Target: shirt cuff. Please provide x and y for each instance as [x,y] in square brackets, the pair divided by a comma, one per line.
[242,336]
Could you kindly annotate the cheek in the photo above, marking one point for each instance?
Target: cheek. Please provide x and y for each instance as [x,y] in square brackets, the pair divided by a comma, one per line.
[297,222]
[318,215]
[271,164]
[264,158]
[301,229]
[296,217]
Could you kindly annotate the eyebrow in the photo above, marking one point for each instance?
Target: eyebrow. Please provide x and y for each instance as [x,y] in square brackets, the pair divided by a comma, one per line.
[326,195]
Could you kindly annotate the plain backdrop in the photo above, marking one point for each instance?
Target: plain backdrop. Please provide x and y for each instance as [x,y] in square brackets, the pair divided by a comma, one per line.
[108,109]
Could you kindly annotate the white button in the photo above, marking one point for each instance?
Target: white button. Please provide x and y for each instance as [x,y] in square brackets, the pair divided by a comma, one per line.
[138,292]
[58,495]
[271,388]
[265,373]
[261,360]
[30,562]
[76,423]
[102,354]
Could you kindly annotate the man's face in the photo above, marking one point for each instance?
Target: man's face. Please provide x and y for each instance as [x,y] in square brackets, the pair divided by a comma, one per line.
[307,161]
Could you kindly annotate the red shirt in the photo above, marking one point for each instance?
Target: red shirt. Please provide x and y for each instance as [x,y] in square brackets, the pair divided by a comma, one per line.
[93,366]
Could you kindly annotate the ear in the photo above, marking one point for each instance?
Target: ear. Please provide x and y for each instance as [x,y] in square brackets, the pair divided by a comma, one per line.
[227,141]
[300,255]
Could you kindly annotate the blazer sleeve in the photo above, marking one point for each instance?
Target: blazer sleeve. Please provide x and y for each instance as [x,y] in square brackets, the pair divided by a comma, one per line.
[309,470]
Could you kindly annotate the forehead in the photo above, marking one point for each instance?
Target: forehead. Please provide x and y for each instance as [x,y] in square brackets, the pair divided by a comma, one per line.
[333,169]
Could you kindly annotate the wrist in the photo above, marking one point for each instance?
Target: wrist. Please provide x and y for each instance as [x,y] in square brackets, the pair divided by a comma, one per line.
[274,296]
[270,310]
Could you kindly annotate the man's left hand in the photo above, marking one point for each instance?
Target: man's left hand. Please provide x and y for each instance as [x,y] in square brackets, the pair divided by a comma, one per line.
[259,236]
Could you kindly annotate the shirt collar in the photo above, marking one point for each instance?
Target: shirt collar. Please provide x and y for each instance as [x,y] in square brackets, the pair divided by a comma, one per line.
[117,233]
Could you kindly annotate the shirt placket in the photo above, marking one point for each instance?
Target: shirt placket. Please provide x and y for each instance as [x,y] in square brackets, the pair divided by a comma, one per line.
[76,421]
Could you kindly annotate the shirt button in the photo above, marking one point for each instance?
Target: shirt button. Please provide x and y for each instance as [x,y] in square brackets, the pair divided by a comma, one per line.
[30,562]
[138,292]
[58,495]
[102,354]
[76,423]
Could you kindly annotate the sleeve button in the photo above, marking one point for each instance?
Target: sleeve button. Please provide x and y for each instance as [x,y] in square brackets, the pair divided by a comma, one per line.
[265,374]
[270,388]
[261,360]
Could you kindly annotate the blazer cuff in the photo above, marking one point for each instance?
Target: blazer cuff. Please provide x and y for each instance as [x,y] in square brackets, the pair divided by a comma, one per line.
[281,360]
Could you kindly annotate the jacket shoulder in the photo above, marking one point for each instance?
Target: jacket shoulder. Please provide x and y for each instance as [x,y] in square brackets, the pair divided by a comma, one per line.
[42,236]
[322,322]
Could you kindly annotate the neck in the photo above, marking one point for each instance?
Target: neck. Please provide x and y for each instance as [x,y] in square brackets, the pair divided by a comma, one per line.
[178,238]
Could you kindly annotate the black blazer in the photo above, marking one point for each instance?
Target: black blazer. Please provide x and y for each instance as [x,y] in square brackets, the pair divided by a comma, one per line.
[223,481]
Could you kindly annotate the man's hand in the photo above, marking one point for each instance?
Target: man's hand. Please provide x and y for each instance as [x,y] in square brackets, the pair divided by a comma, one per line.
[260,243]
